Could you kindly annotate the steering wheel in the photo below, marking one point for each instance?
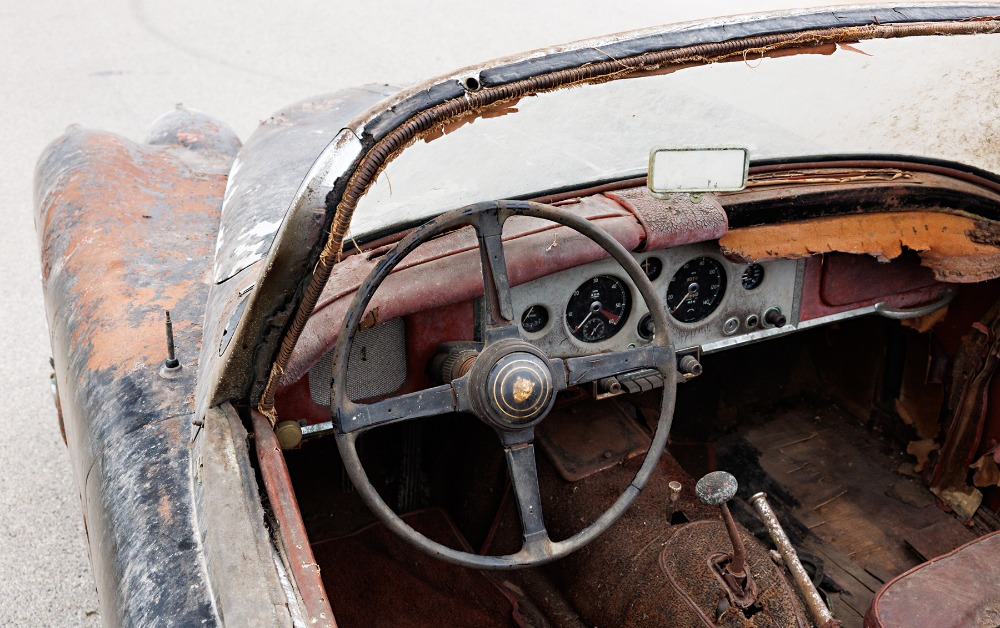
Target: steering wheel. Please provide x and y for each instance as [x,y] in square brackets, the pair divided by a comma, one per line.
[511,386]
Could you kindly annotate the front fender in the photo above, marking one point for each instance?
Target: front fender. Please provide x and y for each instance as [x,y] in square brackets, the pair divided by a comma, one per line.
[127,232]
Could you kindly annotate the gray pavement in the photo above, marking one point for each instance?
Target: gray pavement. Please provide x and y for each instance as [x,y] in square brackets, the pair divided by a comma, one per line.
[117,65]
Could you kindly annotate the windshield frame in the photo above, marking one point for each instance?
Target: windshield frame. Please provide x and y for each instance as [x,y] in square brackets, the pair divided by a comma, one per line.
[311,238]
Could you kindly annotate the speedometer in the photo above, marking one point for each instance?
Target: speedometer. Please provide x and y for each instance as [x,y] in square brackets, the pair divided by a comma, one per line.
[696,289]
[599,308]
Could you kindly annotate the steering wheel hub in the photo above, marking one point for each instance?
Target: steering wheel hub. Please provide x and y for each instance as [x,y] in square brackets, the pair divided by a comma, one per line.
[519,390]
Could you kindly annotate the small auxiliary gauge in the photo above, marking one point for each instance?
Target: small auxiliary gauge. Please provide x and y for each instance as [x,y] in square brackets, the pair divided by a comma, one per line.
[534,319]
[752,276]
[652,266]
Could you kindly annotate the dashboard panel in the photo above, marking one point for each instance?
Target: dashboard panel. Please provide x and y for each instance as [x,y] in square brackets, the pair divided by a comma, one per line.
[713,303]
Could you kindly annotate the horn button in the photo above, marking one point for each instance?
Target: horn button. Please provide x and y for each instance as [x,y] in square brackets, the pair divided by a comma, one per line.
[513,388]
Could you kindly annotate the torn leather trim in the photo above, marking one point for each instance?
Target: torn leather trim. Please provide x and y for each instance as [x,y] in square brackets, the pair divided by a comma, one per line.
[673,221]
[951,245]
[975,367]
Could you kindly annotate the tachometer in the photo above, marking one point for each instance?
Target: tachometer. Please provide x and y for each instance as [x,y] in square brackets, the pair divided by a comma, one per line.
[598,308]
[696,289]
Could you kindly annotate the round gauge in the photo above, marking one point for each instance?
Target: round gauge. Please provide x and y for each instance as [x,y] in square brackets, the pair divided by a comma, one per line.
[598,308]
[752,276]
[652,266]
[534,319]
[696,289]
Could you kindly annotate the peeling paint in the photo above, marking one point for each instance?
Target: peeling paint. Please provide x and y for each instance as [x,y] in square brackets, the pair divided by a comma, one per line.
[944,241]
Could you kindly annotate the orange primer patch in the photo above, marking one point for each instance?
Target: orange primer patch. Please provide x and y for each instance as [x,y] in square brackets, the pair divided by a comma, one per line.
[943,241]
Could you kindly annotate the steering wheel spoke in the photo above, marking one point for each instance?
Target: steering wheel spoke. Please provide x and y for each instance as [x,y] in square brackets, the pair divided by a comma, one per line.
[524,477]
[354,417]
[591,368]
[496,284]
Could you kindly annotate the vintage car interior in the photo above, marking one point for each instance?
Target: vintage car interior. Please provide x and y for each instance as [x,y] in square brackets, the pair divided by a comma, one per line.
[461,359]
[804,333]
[819,378]
[819,332]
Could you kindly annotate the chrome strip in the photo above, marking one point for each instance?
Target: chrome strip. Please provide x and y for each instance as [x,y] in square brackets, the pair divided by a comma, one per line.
[317,429]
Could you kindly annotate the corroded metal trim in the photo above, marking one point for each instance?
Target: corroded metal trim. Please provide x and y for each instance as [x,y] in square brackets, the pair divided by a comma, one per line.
[281,496]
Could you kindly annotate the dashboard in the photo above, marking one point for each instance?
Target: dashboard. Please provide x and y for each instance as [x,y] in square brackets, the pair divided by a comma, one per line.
[713,302]
[570,302]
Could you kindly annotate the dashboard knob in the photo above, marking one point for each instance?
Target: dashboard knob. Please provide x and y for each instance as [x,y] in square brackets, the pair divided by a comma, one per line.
[774,318]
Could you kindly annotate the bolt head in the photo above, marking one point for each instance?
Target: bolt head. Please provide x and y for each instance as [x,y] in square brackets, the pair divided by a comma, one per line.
[716,488]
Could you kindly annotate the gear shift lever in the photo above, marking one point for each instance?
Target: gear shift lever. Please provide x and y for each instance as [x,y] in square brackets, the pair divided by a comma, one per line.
[715,489]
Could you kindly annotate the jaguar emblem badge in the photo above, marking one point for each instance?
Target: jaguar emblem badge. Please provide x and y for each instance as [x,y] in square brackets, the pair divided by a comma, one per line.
[523,388]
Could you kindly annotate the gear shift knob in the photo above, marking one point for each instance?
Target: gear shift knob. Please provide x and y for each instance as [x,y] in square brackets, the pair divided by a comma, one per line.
[716,488]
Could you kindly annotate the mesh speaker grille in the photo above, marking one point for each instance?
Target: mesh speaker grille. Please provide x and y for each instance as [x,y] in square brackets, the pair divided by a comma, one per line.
[377,365]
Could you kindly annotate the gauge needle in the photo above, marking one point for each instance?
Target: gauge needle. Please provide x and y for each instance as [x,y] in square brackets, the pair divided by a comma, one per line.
[692,293]
[611,317]
[595,307]
[683,301]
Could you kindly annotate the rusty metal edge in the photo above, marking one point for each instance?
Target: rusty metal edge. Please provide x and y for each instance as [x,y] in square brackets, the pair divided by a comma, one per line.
[237,550]
[302,563]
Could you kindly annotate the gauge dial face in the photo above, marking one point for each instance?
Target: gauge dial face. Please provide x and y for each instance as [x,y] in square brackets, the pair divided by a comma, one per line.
[652,266]
[599,308]
[752,276]
[696,289]
[534,319]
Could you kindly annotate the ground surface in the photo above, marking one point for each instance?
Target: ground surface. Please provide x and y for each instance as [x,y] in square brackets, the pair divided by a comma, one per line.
[117,65]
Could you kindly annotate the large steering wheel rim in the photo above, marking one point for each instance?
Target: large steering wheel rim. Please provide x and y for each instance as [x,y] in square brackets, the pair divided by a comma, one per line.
[502,340]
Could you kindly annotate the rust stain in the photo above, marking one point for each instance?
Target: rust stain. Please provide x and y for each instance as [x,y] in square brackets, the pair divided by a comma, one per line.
[369,320]
[165,509]
[116,217]
[847,46]
[947,243]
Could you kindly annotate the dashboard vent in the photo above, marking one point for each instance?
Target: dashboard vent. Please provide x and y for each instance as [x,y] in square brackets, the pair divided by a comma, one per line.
[377,365]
